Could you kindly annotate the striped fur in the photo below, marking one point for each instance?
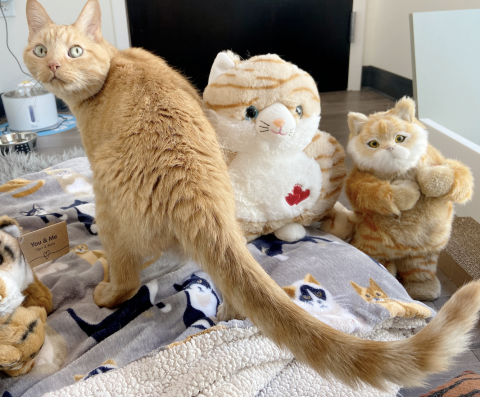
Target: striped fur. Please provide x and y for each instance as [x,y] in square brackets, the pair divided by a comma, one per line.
[160,180]
[21,327]
[262,81]
[403,215]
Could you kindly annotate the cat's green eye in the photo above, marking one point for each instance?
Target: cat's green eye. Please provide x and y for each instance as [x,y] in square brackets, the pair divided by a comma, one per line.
[75,51]
[399,138]
[299,111]
[199,281]
[373,144]
[306,297]
[40,51]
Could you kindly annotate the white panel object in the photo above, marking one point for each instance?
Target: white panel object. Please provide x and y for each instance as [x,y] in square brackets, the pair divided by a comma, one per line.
[356,48]
[457,147]
[120,24]
[446,62]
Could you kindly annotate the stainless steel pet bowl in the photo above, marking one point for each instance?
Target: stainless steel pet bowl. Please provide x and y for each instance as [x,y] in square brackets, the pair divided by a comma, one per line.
[23,142]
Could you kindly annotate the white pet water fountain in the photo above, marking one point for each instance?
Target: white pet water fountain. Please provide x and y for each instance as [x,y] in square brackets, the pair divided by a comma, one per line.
[29,109]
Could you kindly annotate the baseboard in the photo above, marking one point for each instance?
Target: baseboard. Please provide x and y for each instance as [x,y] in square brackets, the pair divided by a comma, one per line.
[385,82]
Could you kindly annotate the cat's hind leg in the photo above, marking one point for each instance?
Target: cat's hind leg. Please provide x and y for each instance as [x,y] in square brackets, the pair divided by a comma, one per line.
[123,257]
[419,275]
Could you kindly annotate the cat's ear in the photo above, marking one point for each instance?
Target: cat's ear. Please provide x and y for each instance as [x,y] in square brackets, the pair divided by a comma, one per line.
[37,17]
[223,62]
[178,287]
[310,279]
[373,284]
[405,109]
[290,290]
[90,21]
[356,287]
[355,122]
[10,226]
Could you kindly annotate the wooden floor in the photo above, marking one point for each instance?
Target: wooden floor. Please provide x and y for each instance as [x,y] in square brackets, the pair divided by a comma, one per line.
[335,107]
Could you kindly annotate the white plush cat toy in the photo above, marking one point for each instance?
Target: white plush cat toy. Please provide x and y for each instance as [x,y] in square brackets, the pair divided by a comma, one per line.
[286,174]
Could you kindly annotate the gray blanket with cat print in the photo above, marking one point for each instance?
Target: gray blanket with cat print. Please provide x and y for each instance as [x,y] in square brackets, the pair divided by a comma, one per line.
[332,280]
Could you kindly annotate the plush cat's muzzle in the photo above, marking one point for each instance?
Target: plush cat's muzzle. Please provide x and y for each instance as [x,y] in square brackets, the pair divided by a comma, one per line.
[275,123]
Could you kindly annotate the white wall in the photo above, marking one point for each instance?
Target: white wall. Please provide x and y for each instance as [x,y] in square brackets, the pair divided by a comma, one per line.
[447,65]
[114,29]
[387,33]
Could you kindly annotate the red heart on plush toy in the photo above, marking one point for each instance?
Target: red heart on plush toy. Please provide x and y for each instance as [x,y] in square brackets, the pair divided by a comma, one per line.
[297,196]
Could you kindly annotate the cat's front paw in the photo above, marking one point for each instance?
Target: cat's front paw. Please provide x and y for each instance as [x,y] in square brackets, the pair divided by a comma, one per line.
[405,194]
[435,181]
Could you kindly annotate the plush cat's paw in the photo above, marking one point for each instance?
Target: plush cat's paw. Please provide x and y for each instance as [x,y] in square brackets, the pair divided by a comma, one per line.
[106,295]
[423,290]
[435,181]
[338,221]
[227,312]
[291,232]
[405,194]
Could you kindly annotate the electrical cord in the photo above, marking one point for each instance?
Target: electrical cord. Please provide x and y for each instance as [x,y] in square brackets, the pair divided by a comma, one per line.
[8,47]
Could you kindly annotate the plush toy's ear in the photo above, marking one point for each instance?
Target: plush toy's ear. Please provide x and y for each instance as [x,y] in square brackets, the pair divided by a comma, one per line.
[10,226]
[355,122]
[310,279]
[290,290]
[405,109]
[37,17]
[90,20]
[223,62]
[178,287]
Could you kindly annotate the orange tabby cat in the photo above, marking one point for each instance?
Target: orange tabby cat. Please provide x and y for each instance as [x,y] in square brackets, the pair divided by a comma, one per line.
[160,179]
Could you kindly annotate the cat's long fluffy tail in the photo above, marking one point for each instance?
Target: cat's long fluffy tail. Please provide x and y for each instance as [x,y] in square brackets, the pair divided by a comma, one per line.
[249,290]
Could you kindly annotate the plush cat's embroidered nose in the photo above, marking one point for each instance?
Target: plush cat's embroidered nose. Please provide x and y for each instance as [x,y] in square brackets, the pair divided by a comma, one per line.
[390,148]
[53,66]
[279,123]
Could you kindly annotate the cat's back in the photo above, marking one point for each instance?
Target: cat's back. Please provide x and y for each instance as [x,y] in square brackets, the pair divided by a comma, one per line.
[136,70]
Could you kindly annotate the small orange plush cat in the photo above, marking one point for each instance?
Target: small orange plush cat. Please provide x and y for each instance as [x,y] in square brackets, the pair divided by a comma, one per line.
[160,180]
[402,189]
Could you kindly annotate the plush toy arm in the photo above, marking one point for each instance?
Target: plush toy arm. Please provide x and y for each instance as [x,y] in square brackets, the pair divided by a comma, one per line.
[367,193]
[449,179]
[462,187]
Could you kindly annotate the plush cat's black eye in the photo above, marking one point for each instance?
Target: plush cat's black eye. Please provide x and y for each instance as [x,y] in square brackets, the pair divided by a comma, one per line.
[373,144]
[251,113]
[368,296]
[378,293]
[299,111]
[399,138]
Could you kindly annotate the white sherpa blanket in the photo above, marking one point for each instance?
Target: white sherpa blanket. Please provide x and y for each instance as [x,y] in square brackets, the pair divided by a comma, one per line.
[230,359]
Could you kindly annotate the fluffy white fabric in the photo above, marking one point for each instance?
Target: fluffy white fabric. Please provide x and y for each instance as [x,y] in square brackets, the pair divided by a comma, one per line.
[225,362]
[265,172]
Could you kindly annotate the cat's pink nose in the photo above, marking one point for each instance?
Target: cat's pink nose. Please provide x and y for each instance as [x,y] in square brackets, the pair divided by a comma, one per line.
[53,66]
[279,122]
[390,148]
